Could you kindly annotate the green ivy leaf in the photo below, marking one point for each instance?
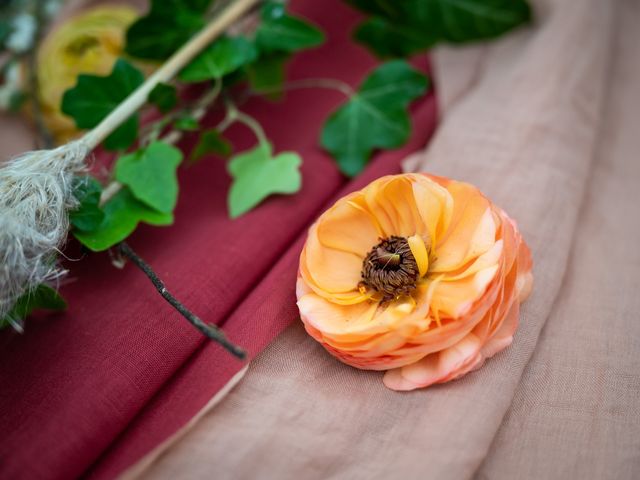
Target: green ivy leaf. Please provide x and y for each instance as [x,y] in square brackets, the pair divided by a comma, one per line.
[168,25]
[194,5]
[88,215]
[122,213]
[211,141]
[123,136]
[379,7]
[407,26]
[186,123]
[221,58]
[94,97]
[281,32]
[164,96]
[17,101]
[374,117]
[5,31]
[257,174]
[42,298]
[268,72]
[388,39]
[150,173]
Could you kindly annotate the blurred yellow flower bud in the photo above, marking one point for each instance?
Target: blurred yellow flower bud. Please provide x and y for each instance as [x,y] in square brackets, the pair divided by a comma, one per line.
[86,43]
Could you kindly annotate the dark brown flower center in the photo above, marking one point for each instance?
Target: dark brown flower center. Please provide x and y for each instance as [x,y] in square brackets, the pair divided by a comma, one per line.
[390,268]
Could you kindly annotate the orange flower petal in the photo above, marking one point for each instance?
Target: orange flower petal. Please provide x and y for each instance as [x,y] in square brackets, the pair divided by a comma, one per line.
[390,199]
[438,367]
[349,227]
[490,258]
[334,271]
[455,298]
[435,206]
[346,321]
[472,230]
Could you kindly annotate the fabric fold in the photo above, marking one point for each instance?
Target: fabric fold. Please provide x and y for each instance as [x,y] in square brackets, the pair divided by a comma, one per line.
[74,384]
[523,129]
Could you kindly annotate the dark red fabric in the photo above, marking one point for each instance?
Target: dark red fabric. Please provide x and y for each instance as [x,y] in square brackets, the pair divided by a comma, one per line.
[92,390]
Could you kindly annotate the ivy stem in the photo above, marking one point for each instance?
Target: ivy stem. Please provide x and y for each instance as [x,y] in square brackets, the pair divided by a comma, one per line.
[210,331]
[253,124]
[197,111]
[235,115]
[304,83]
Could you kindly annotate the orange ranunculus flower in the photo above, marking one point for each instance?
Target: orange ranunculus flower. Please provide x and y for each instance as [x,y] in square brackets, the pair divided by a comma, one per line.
[89,43]
[417,275]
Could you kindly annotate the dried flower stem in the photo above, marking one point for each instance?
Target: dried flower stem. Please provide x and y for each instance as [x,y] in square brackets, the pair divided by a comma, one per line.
[168,70]
[211,331]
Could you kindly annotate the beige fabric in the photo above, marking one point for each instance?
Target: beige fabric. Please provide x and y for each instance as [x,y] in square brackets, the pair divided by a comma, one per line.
[143,464]
[576,412]
[523,124]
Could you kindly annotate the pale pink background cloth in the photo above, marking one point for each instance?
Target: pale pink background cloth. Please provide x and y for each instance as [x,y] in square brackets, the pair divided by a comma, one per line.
[547,123]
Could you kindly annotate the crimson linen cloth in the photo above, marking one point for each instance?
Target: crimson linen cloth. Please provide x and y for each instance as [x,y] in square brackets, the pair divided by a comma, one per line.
[90,391]
[545,122]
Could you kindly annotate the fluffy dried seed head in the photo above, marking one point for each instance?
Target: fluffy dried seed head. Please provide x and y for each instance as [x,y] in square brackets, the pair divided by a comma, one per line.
[35,195]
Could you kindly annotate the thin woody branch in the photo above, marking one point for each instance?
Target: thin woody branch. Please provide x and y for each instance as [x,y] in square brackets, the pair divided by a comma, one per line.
[210,331]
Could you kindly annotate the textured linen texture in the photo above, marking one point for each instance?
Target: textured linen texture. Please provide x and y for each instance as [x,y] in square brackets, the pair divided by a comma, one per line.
[576,412]
[523,125]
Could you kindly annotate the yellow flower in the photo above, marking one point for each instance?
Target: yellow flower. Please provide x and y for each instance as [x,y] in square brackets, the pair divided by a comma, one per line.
[87,43]
[418,275]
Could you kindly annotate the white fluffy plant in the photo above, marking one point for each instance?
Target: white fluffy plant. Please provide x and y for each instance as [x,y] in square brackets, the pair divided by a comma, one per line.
[35,195]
